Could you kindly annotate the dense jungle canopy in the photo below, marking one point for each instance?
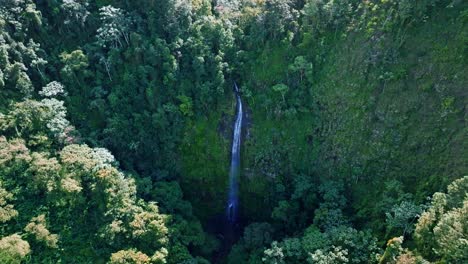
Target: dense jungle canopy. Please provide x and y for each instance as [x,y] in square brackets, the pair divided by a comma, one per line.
[116,123]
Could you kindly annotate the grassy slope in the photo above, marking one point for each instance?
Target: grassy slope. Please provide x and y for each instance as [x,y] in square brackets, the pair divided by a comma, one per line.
[205,157]
[402,120]
[408,125]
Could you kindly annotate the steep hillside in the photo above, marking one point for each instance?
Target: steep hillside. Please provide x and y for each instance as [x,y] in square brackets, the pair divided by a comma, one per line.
[116,130]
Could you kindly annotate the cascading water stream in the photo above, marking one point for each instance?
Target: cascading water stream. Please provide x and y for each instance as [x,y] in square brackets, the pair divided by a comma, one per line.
[233,199]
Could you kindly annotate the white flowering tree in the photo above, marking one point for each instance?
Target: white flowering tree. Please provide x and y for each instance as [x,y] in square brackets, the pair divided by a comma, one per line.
[115,27]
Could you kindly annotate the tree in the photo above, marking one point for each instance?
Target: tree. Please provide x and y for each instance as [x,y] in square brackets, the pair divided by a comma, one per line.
[257,235]
[30,53]
[403,216]
[52,89]
[289,250]
[14,156]
[149,226]
[293,250]
[103,158]
[30,117]
[44,173]
[277,19]
[75,11]
[303,67]
[56,116]
[170,198]
[441,230]
[313,239]
[451,234]
[360,245]
[334,256]
[130,256]
[75,63]
[7,211]
[22,15]
[19,79]
[227,6]
[396,254]
[115,27]
[186,105]
[274,255]
[13,249]
[329,214]
[282,89]
[160,256]
[238,254]
[37,228]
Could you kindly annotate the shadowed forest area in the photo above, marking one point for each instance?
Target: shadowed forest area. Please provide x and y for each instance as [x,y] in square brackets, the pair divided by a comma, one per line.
[117,120]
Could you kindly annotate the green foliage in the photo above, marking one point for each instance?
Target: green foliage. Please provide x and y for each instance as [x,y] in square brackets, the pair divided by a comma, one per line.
[257,235]
[441,229]
[7,211]
[81,177]
[204,160]
[31,117]
[169,195]
[353,117]
[302,67]
[395,253]
[403,215]
[274,255]
[37,228]
[115,27]
[329,214]
[238,254]
[360,245]
[186,105]
[75,11]
[74,61]
[392,251]
[319,15]
[313,239]
[341,244]
[17,78]
[335,255]
[282,89]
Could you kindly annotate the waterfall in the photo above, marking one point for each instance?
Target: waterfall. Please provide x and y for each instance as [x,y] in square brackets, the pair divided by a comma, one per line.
[233,199]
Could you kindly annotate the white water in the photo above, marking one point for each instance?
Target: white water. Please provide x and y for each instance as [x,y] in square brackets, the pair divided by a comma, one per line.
[233,199]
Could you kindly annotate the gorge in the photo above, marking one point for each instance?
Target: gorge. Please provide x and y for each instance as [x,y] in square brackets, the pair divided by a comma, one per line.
[123,141]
